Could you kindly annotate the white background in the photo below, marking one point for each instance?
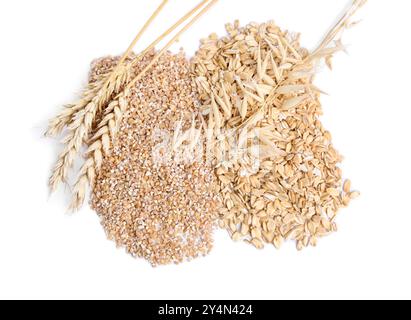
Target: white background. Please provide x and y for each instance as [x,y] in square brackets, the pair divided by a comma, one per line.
[46,48]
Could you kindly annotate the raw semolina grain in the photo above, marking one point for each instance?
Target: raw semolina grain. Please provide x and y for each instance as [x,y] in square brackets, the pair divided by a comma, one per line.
[163,212]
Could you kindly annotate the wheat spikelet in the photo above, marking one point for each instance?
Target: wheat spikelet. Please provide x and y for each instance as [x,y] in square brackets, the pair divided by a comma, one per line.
[104,88]
[100,144]
[174,39]
[83,121]
[79,130]
[61,121]
[57,124]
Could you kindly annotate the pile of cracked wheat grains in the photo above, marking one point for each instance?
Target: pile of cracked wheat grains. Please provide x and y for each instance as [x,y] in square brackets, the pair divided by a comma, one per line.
[231,138]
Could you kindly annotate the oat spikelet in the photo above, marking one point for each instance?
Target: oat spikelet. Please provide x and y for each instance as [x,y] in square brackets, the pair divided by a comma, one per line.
[330,45]
[100,144]
[343,24]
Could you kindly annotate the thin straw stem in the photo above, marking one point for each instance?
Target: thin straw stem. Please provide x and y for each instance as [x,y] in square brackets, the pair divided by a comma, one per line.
[142,31]
[171,29]
[170,43]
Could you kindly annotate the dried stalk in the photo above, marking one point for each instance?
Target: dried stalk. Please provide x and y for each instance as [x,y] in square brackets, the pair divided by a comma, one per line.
[140,34]
[168,31]
[171,42]
[342,24]
[109,127]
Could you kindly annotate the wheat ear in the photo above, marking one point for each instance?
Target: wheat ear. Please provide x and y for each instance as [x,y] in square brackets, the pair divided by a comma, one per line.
[84,118]
[94,153]
[57,124]
[108,128]
[61,121]
[105,89]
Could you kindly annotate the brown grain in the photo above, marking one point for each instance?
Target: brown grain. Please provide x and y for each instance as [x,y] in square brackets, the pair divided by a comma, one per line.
[163,212]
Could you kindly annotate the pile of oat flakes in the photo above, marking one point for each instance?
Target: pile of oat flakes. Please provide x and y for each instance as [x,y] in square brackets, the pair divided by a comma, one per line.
[255,84]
